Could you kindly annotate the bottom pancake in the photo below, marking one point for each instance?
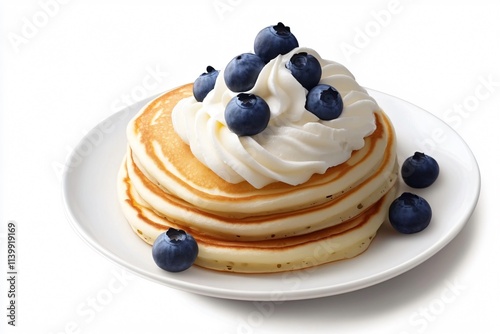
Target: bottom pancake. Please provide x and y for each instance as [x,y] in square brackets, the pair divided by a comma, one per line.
[338,242]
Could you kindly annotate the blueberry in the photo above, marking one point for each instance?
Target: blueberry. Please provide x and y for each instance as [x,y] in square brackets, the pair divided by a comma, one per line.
[204,83]
[175,250]
[247,114]
[410,213]
[419,170]
[325,102]
[273,41]
[305,69]
[242,72]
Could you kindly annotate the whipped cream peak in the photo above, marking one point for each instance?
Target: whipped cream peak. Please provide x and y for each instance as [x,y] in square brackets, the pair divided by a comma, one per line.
[295,145]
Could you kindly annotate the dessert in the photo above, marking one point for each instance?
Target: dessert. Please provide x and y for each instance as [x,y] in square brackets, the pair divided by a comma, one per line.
[274,178]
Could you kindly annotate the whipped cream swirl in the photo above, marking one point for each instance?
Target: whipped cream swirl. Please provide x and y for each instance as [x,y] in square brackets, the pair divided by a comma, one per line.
[295,145]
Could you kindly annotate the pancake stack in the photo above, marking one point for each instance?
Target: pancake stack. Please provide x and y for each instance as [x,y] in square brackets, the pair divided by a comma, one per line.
[240,228]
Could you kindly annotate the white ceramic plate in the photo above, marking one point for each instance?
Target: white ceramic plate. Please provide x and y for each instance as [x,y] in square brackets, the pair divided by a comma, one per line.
[89,191]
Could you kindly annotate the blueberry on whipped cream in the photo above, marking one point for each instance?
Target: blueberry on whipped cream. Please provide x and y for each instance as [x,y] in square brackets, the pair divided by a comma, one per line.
[305,68]
[247,114]
[325,102]
[242,71]
[273,41]
[204,83]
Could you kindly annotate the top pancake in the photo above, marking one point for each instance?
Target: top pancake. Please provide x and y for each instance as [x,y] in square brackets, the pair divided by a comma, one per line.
[167,161]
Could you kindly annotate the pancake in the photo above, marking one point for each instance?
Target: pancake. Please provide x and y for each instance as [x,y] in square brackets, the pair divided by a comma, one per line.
[263,226]
[166,160]
[339,242]
[240,228]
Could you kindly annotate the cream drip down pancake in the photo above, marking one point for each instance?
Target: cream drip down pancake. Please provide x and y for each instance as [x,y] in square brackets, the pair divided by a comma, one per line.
[302,191]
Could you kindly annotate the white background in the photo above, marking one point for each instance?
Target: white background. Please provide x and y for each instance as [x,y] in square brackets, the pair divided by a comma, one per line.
[67,65]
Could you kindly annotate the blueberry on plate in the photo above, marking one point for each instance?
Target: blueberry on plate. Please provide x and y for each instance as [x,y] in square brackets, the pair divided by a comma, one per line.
[419,170]
[409,213]
[205,83]
[325,102]
[273,41]
[242,72]
[305,69]
[247,114]
[175,250]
